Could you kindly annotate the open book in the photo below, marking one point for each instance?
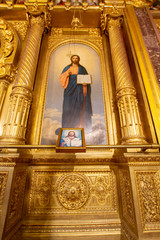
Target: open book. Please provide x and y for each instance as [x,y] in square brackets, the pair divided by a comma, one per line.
[81,79]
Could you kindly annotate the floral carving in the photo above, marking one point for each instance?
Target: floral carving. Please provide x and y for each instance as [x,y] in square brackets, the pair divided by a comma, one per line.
[20,27]
[73,191]
[3,182]
[9,43]
[127,200]
[149,195]
[17,198]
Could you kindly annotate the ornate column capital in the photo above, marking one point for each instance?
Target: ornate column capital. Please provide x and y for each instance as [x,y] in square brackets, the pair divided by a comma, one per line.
[114,21]
[111,17]
[37,14]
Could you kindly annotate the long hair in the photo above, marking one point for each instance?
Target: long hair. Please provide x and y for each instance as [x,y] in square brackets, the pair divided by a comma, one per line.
[75,56]
[69,134]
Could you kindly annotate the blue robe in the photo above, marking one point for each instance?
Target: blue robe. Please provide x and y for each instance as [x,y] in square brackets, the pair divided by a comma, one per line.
[74,100]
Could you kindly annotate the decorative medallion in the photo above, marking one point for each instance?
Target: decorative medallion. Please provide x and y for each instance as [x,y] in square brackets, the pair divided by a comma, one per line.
[73,191]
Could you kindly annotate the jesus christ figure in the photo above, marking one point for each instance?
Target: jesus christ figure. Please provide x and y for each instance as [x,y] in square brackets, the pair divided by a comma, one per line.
[77,108]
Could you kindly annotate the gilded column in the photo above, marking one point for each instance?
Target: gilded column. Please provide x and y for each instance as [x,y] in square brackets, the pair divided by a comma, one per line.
[130,122]
[3,89]
[20,99]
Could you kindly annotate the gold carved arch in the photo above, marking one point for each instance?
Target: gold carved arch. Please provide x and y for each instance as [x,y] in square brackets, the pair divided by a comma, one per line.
[9,48]
[54,42]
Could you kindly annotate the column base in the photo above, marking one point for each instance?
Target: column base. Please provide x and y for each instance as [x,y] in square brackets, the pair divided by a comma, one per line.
[137,140]
[4,140]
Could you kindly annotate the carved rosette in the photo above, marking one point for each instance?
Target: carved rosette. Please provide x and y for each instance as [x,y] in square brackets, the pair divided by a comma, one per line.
[21,96]
[73,191]
[131,127]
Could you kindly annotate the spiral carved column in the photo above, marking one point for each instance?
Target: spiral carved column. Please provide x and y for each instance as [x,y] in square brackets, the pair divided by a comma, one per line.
[20,99]
[131,126]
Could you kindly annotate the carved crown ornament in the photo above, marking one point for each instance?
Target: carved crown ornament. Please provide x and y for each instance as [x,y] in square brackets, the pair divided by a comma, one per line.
[9,50]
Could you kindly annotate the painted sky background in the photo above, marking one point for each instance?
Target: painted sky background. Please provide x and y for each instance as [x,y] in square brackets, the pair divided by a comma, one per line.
[54,99]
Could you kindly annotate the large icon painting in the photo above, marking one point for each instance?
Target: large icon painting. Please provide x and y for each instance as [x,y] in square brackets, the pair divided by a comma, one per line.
[71,104]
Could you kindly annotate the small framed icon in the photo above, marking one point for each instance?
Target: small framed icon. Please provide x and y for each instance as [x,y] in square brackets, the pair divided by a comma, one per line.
[71,140]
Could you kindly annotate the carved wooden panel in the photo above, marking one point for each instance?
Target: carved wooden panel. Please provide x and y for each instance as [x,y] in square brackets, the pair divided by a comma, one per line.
[55,192]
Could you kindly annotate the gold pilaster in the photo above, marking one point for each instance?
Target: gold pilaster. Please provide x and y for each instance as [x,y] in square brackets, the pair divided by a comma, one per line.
[131,126]
[20,100]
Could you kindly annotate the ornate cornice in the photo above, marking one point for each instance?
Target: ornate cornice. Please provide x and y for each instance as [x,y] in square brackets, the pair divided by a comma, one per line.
[139,3]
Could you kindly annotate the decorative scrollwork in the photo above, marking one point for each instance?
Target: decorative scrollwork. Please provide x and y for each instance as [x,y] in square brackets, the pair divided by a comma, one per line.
[101,189]
[9,45]
[44,190]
